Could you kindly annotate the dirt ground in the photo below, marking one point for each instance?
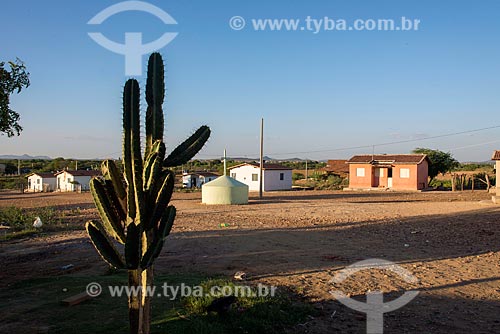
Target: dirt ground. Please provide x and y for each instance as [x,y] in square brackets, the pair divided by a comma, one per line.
[449,241]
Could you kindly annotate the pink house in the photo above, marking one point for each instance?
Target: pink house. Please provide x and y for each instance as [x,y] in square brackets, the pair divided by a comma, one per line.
[393,171]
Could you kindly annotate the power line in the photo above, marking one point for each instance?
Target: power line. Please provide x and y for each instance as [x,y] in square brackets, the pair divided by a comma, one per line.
[390,143]
[474,145]
[371,145]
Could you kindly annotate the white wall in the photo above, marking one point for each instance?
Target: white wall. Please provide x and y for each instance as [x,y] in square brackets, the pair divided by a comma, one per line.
[65,179]
[206,179]
[36,182]
[198,179]
[84,181]
[244,175]
[271,180]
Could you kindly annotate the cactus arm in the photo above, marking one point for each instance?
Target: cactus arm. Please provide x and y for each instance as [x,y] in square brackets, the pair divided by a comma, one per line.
[189,148]
[116,204]
[164,228]
[104,245]
[133,246]
[110,172]
[110,219]
[153,165]
[163,198]
[130,109]
[155,94]
[132,151]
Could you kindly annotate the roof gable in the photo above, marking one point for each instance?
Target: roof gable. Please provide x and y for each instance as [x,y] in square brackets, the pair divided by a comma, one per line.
[496,155]
[43,175]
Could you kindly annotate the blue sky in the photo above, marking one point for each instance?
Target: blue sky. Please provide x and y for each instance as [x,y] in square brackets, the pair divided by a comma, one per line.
[317,92]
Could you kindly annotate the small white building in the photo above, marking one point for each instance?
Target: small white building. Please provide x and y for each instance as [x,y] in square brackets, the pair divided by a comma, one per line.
[275,177]
[75,180]
[38,182]
[198,179]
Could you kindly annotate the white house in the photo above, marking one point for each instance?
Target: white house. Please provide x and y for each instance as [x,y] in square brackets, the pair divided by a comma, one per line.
[41,182]
[75,180]
[196,180]
[275,177]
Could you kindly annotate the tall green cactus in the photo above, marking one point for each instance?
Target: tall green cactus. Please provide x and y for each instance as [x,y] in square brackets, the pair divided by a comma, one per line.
[134,206]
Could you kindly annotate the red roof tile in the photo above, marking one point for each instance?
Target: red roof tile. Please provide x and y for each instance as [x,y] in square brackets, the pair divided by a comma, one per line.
[82,172]
[205,174]
[388,158]
[496,155]
[266,166]
[337,166]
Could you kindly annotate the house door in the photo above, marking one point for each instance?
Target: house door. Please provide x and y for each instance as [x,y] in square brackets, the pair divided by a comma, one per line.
[378,172]
[389,178]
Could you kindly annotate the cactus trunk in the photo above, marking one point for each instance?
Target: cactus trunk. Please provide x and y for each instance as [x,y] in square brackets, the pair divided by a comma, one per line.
[134,206]
[140,304]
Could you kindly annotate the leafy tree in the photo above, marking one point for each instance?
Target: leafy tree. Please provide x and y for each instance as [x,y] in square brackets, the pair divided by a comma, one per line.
[11,81]
[441,162]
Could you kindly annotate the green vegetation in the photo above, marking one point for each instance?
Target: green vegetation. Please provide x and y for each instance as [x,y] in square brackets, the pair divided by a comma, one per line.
[441,162]
[472,167]
[323,182]
[11,81]
[138,215]
[39,300]
[20,221]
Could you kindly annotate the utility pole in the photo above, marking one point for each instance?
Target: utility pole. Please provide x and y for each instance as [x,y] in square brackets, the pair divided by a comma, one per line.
[76,164]
[225,164]
[307,174]
[19,167]
[261,155]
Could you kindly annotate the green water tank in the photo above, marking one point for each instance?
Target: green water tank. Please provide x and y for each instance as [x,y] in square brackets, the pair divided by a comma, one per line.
[224,190]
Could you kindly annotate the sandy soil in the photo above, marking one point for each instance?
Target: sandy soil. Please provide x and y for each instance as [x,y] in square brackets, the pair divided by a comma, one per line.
[449,241]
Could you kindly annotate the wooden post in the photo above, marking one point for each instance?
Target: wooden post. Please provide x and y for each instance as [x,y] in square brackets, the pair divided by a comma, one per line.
[261,156]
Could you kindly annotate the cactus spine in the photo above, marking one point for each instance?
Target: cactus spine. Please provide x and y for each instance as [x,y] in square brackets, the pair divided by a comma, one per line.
[133,206]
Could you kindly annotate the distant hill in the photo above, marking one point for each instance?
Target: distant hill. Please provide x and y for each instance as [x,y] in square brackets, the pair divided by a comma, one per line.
[24,157]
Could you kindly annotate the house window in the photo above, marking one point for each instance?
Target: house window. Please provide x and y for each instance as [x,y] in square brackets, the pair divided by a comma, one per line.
[404,173]
[37,181]
[233,175]
[282,176]
[360,172]
[255,177]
